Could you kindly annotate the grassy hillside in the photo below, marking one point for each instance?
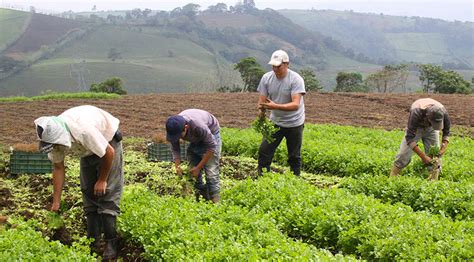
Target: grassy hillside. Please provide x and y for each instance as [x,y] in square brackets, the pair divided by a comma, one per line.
[413,39]
[12,25]
[149,62]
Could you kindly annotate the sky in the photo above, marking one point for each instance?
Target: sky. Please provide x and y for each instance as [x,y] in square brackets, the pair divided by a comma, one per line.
[462,10]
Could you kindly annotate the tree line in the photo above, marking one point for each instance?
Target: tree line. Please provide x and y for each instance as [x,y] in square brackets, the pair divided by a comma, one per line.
[434,79]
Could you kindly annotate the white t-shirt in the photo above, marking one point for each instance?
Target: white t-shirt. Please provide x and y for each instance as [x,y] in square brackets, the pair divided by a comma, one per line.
[91,129]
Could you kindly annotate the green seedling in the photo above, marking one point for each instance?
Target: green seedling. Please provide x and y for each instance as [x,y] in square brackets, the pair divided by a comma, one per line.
[265,127]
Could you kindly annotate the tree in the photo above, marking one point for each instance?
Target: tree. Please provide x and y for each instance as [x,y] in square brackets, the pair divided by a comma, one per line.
[450,82]
[350,82]
[112,85]
[428,74]
[190,10]
[251,72]
[218,8]
[388,79]
[311,83]
[435,79]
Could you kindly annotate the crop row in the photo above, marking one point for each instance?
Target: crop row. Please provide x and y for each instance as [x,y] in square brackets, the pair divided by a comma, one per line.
[174,229]
[453,199]
[21,242]
[353,151]
[354,224]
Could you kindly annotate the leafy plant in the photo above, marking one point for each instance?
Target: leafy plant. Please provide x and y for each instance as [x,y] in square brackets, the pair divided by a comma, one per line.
[433,152]
[265,127]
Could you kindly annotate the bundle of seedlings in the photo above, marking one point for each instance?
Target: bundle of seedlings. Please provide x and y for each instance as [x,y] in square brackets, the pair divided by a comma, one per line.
[30,148]
[159,138]
[435,163]
[264,126]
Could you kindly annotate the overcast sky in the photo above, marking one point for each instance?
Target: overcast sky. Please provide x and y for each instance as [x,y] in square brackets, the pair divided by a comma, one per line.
[462,10]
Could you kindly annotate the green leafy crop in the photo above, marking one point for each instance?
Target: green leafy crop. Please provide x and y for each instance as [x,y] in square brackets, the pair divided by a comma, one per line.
[265,127]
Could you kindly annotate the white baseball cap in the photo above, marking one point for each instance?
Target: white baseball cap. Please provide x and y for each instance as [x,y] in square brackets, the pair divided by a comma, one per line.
[278,57]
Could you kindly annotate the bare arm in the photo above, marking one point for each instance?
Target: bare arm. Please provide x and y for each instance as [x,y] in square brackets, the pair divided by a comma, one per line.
[195,170]
[106,165]
[291,106]
[58,182]
[426,159]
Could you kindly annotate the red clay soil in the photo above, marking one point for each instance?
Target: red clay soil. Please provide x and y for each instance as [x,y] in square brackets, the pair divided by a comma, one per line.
[144,115]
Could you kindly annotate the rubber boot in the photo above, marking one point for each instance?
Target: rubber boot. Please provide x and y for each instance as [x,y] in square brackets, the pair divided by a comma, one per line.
[110,235]
[260,170]
[93,231]
[395,171]
[216,198]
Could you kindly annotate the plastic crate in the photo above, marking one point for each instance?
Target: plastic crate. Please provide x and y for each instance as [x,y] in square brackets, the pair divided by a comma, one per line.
[162,152]
[29,163]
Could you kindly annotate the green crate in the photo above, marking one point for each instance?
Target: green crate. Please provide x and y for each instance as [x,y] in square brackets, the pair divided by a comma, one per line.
[162,152]
[30,163]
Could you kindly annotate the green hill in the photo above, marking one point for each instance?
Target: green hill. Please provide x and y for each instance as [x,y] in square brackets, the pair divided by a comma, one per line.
[385,38]
[189,51]
[12,25]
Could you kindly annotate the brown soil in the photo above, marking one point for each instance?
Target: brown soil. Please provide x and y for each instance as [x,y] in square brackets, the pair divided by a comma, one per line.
[145,115]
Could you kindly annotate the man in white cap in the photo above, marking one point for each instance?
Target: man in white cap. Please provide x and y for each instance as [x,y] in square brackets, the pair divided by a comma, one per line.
[427,117]
[281,91]
[93,134]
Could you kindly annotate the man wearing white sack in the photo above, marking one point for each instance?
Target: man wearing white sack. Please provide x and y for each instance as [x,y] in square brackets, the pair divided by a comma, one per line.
[93,134]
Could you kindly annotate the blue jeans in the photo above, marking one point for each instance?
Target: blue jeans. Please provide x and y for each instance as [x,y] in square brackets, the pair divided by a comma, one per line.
[195,153]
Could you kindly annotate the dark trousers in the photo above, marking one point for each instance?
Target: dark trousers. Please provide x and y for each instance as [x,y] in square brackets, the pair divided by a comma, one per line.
[294,139]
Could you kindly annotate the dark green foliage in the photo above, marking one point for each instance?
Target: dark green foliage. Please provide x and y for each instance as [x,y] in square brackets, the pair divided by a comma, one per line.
[311,83]
[251,72]
[350,82]
[111,85]
[435,79]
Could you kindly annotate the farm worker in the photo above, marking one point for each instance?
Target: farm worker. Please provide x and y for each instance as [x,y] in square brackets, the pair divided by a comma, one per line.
[281,91]
[93,134]
[201,129]
[427,117]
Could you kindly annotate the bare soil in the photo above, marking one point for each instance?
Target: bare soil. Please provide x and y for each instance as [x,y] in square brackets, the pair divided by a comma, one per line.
[145,115]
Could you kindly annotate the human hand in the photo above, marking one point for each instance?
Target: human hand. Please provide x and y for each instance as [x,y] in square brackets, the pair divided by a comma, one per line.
[179,171]
[269,104]
[100,187]
[55,206]
[427,160]
[195,171]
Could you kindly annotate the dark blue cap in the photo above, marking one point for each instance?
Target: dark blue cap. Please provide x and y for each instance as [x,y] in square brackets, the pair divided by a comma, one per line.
[174,128]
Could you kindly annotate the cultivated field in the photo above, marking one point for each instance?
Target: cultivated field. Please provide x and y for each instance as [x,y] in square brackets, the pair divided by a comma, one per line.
[344,207]
[144,115]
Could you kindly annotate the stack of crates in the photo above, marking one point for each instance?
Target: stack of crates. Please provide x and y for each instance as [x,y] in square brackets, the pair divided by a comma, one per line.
[29,163]
[162,151]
